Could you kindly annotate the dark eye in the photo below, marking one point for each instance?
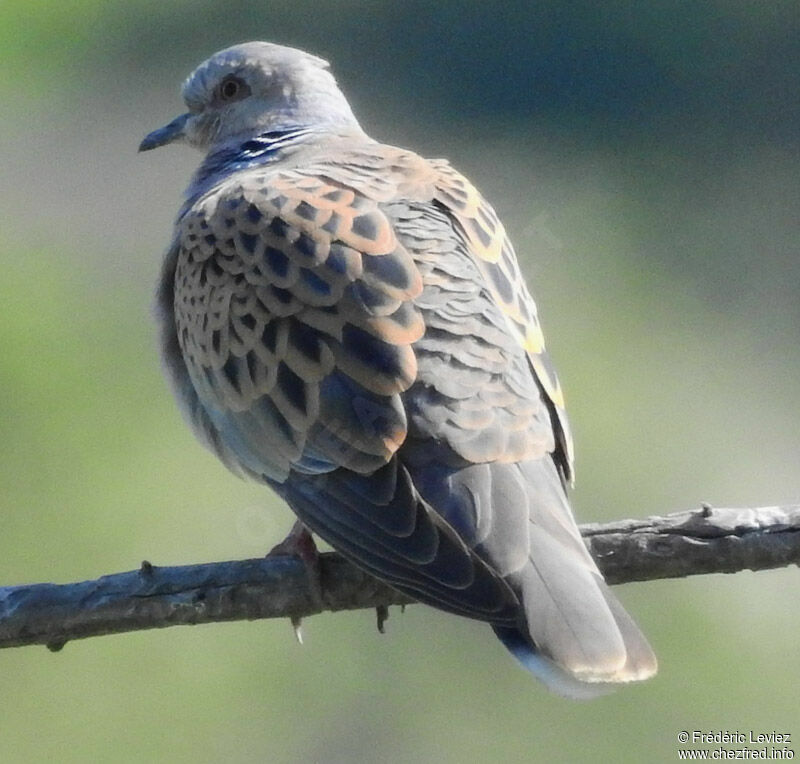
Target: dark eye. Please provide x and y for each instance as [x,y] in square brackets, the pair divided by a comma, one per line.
[231,88]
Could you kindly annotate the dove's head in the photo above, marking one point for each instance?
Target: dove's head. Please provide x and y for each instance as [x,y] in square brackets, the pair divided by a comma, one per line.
[253,88]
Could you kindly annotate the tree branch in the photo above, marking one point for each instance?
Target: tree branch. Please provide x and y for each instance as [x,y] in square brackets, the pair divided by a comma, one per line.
[674,546]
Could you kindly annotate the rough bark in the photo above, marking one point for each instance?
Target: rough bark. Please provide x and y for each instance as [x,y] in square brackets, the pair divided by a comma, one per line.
[677,545]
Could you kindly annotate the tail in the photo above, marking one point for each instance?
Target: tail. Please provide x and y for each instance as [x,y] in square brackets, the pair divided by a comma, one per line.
[555,678]
[573,633]
[640,661]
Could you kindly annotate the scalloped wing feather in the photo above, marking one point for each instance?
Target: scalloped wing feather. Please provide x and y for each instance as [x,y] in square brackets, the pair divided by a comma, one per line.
[494,254]
[287,286]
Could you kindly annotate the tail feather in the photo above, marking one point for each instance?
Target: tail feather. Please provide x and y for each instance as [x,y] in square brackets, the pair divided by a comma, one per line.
[576,636]
[553,676]
[642,662]
[567,615]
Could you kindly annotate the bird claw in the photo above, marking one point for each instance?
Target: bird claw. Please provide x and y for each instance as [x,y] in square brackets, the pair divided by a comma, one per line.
[300,543]
[297,625]
[382,613]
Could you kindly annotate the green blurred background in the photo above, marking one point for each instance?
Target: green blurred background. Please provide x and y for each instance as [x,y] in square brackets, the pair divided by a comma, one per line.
[644,157]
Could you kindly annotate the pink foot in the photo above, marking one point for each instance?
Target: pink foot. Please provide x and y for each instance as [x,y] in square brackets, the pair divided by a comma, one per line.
[300,543]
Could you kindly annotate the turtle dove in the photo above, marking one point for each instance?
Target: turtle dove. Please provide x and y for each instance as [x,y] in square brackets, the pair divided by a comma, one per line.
[346,322]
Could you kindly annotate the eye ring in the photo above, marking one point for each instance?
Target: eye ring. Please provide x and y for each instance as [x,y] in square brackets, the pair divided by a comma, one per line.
[230,89]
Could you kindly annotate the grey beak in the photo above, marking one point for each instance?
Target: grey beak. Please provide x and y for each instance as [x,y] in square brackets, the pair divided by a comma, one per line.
[164,135]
